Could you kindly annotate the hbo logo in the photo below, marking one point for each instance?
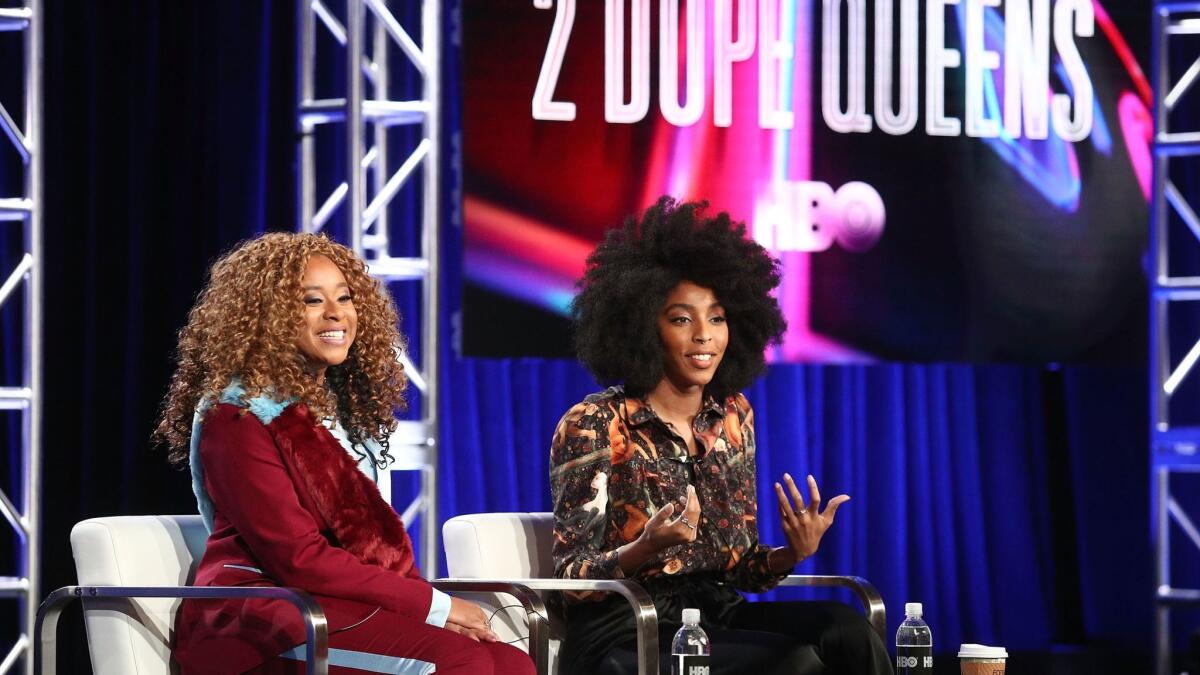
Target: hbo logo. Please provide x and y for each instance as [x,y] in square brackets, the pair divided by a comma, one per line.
[811,216]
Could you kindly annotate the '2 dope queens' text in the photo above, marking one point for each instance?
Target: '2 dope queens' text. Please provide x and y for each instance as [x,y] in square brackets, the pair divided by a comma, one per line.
[849,103]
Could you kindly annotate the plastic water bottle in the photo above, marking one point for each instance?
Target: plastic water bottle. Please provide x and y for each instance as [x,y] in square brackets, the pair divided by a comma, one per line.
[689,649]
[914,643]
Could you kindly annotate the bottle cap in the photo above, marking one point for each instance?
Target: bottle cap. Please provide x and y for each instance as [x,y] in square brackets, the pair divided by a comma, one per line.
[912,609]
[691,615]
[971,651]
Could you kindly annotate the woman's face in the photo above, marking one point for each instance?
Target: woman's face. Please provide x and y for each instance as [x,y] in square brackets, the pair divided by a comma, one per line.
[330,320]
[694,335]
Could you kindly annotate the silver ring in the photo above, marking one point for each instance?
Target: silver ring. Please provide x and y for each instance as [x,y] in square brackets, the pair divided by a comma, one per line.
[802,512]
[685,521]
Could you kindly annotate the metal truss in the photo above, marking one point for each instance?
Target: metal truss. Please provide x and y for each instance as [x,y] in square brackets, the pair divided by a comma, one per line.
[26,399]
[363,197]
[1174,444]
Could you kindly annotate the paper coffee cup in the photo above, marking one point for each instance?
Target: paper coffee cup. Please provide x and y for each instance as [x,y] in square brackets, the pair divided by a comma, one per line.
[982,660]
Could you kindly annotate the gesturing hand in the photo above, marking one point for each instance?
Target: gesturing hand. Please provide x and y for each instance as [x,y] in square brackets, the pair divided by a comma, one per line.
[467,618]
[805,524]
[663,530]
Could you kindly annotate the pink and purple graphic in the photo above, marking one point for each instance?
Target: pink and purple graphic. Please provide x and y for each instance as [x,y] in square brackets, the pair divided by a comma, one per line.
[969,184]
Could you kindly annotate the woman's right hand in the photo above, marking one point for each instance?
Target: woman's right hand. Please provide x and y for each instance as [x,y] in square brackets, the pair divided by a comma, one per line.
[468,618]
[664,529]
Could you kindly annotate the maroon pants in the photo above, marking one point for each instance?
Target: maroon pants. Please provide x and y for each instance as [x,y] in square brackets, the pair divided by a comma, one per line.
[389,643]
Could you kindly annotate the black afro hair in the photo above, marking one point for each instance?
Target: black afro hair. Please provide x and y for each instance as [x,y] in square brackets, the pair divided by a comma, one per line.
[630,273]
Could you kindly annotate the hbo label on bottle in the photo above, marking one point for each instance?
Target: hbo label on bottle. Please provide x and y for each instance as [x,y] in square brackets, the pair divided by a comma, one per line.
[690,665]
[914,660]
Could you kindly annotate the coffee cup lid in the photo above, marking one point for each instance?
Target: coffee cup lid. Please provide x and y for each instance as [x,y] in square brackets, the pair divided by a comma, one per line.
[970,651]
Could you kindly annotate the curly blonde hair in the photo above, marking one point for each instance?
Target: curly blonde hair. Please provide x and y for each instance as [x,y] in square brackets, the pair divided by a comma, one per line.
[246,323]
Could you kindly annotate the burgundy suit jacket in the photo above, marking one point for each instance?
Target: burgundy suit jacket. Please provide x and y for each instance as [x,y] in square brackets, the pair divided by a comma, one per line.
[267,531]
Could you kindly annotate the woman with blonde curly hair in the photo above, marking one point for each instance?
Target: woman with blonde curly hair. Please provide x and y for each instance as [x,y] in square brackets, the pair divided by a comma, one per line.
[282,403]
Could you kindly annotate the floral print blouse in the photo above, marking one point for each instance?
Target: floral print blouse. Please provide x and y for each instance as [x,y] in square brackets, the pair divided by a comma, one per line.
[614,463]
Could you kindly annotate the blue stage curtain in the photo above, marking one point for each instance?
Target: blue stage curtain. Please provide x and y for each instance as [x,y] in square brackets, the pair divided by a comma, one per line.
[169,136]
[1010,499]
[159,156]
[12,324]
[1015,510]
[945,466]
[951,470]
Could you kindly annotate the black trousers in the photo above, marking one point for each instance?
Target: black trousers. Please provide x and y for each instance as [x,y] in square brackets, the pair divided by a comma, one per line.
[757,638]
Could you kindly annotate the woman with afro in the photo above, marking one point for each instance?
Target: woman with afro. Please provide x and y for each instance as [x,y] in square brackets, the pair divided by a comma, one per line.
[282,403]
[655,480]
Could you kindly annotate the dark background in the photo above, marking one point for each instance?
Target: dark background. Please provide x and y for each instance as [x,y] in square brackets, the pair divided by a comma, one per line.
[158,157]
[169,137]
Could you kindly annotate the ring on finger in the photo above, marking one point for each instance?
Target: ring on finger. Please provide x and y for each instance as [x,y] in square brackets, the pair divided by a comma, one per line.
[801,512]
[685,521]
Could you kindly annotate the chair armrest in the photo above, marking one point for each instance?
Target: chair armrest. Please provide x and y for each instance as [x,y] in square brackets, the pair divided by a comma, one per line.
[866,592]
[645,616]
[316,630]
[535,611]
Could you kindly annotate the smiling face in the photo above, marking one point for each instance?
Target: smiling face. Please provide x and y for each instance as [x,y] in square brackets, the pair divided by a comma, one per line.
[694,335]
[330,320]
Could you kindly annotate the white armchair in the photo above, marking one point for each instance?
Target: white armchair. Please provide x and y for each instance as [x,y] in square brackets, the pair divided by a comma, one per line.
[514,548]
[133,572]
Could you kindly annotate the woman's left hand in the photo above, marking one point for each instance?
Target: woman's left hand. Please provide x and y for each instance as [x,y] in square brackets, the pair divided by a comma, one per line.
[804,525]
[476,634]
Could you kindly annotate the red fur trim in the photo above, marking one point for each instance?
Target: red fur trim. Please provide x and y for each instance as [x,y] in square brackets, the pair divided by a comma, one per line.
[362,522]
